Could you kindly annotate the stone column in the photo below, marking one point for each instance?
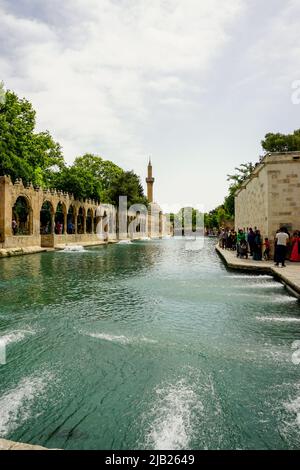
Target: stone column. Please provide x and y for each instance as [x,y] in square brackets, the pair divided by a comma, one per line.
[3,208]
[76,222]
[92,223]
[84,221]
[52,223]
[65,222]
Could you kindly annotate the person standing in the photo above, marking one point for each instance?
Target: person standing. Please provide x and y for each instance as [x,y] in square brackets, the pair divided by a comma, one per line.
[224,238]
[282,239]
[295,255]
[241,238]
[257,247]
[14,227]
[267,249]
[250,239]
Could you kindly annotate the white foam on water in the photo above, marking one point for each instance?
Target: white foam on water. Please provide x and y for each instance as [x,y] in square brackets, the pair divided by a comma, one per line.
[124,242]
[148,340]
[73,248]
[279,319]
[279,299]
[172,427]
[282,299]
[269,285]
[14,337]
[294,407]
[249,276]
[120,338]
[114,338]
[15,405]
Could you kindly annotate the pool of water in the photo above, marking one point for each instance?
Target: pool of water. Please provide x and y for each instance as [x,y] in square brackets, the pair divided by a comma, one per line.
[147,345]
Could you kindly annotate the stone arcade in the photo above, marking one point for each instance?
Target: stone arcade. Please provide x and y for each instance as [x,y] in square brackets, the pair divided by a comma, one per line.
[33,219]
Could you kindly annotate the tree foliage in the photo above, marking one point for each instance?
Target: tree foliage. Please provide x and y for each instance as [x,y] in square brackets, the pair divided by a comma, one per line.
[89,177]
[242,173]
[282,142]
[126,184]
[37,158]
[224,214]
[24,153]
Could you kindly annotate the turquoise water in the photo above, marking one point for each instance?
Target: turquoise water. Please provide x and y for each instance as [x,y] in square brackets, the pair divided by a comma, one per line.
[147,345]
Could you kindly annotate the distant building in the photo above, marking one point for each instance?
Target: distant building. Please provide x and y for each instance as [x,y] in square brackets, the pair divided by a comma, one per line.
[270,198]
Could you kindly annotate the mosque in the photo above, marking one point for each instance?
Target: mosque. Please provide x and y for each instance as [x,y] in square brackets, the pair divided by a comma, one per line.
[35,219]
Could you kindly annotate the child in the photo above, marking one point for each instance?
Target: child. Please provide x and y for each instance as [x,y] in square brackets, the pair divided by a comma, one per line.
[267,249]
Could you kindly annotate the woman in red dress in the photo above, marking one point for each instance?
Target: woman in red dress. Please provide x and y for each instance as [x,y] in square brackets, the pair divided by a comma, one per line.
[295,255]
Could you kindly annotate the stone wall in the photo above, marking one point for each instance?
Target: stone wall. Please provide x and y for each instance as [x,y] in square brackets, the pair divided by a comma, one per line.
[270,198]
[35,199]
[251,204]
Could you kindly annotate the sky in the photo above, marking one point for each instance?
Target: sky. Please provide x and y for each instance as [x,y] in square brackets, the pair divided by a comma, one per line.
[195,84]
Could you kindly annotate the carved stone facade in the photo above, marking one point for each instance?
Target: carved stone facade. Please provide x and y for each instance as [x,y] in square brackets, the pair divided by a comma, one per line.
[54,219]
[35,198]
[270,198]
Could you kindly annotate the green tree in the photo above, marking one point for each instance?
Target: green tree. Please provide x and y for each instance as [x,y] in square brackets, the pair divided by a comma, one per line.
[127,184]
[37,158]
[281,142]
[90,177]
[24,153]
[82,184]
[242,173]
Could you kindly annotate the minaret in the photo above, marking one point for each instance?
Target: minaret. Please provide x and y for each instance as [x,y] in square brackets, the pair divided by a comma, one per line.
[150,181]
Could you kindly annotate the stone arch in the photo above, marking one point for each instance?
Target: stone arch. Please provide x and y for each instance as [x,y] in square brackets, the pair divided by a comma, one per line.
[71,220]
[46,218]
[60,218]
[81,221]
[89,221]
[22,216]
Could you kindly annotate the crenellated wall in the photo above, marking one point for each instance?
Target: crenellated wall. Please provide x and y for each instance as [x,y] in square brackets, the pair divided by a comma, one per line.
[35,199]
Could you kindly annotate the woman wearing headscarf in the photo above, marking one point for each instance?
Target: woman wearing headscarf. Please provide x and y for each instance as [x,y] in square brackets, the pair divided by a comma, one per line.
[295,255]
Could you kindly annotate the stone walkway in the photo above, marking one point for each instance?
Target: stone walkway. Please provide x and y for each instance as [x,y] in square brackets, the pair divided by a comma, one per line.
[10,445]
[4,253]
[290,275]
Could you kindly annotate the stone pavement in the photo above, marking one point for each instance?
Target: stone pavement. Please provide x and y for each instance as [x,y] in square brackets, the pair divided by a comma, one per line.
[10,445]
[290,275]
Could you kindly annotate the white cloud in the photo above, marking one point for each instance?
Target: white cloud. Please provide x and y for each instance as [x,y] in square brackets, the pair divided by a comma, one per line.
[276,53]
[93,68]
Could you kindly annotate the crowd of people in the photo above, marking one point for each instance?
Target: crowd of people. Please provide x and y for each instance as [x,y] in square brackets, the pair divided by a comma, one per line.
[249,242]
